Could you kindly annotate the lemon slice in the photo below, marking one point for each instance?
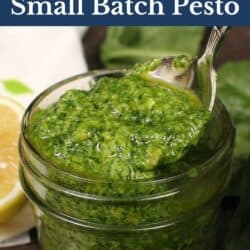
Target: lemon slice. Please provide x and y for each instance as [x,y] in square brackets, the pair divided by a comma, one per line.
[11,195]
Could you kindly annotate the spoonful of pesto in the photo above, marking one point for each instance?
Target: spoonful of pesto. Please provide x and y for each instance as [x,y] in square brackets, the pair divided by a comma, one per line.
[184,72]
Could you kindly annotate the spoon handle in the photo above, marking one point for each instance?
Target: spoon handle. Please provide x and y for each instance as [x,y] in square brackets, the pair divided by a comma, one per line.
[205,71]
[216,37]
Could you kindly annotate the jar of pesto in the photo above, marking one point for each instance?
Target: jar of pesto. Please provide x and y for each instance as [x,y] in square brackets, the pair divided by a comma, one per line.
[169,210]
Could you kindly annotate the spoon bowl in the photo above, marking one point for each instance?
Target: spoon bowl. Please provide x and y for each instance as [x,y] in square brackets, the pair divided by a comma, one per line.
[184,72]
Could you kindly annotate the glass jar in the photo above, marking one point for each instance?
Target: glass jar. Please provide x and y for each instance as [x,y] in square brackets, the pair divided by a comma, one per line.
[170,212]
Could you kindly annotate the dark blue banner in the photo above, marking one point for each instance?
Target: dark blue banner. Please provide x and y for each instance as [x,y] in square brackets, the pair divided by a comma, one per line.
[124,12]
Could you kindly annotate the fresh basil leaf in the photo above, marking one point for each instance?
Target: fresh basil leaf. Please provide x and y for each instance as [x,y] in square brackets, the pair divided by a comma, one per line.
[234,90]
[16,87]
[125,46]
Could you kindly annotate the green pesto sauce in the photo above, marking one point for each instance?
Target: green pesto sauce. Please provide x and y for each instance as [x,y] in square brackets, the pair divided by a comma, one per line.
[129,128]
[126,128]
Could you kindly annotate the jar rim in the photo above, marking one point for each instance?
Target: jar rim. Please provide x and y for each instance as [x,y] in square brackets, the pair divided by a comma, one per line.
[227,139]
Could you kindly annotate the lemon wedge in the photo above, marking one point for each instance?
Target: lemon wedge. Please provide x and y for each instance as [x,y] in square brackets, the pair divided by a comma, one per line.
[11,195]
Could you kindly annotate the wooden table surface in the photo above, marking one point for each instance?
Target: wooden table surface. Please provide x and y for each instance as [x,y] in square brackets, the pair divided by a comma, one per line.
[236,47]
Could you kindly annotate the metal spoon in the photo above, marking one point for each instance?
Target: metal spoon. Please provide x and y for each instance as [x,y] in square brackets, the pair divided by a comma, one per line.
[183,71]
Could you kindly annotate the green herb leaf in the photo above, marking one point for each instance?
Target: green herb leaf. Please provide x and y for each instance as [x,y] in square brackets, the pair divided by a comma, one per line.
[16,87]
[233,89]
[125,46]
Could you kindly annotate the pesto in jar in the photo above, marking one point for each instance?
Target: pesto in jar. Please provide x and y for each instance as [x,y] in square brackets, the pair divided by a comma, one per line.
[126,128]
[136,164]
